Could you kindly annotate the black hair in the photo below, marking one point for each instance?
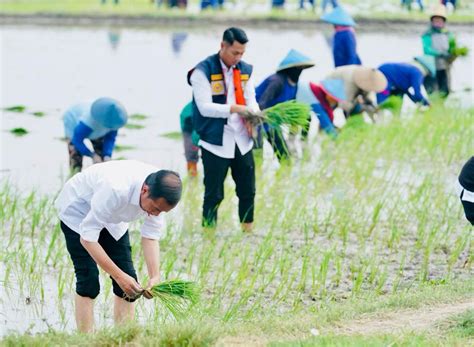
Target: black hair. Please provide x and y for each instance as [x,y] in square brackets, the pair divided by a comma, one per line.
[165,184]
[235,34]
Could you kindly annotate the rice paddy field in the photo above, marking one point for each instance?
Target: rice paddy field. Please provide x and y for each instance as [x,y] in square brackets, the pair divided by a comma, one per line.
[358,227]
[234,9]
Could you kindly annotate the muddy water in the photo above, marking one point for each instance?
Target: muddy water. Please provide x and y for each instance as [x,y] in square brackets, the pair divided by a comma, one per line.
[48,69]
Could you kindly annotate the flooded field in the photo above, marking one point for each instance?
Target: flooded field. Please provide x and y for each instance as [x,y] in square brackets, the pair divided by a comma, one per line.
[48,69]
[373,212]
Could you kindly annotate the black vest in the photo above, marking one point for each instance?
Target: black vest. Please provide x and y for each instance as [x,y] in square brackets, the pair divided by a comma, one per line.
[211,130]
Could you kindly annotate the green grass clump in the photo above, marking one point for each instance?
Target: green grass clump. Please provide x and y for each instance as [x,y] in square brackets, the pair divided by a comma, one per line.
[175,295]
[16,108]
[19,131]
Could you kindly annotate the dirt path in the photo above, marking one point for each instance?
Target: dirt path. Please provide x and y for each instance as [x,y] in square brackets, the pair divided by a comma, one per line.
[383,323]
[405,320]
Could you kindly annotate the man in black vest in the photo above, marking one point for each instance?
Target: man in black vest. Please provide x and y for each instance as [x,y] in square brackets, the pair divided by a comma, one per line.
[222,89]
[466,189]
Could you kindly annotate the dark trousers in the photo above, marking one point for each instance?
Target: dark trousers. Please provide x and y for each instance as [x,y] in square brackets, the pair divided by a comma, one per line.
[75,158]
[439,83]
[215,171]
[87,273]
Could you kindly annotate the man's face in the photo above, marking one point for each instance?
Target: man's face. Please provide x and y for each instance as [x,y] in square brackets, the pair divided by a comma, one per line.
[232,54]
[153,206]
[438,22]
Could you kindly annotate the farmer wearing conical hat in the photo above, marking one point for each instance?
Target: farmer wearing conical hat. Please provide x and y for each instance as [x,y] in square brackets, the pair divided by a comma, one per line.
[466,189]
[222,90]
[95,208]
[344,45]
[323,98]
[99,122]
[277,88]
[407,78]
[439,43]
[360,85]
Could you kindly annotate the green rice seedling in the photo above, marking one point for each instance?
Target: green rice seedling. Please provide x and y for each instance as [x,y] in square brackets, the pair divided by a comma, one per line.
[174,135]
[175,295]
[38,114]
[134,126]
[16,108]
[121,148]
[138,116]
[19,131]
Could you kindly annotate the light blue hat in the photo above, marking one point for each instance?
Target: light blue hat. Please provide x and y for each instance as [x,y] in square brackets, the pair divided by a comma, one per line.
[335,88]
[338,16]
[428,62]
[109,113]
[295,59]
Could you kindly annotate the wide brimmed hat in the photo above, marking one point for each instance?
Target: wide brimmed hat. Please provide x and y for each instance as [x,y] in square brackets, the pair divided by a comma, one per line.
[338,16]
[369,79]
[439,11]
[335,88]
[109,113]
[295,59]
[428,62]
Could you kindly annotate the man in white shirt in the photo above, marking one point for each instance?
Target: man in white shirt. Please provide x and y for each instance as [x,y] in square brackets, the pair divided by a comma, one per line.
[222,88]
[95,207]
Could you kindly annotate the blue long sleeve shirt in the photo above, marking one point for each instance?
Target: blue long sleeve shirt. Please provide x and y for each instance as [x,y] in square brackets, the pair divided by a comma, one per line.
[344,49]
[79,125]
[402,78]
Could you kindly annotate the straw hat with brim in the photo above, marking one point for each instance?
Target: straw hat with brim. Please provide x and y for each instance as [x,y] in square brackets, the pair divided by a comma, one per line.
[427,62]
[109,113]
[335,88]
[338,16]
[369,79]
[439,11]
[295,59]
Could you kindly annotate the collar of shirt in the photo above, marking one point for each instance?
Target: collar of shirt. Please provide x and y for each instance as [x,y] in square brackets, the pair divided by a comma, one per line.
[226,69]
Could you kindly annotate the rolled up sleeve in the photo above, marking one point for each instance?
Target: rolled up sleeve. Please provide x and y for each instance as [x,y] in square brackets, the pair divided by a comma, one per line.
[152,227]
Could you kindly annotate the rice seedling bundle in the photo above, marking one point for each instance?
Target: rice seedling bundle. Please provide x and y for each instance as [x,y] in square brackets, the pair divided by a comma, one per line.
[176,295]
[290,113]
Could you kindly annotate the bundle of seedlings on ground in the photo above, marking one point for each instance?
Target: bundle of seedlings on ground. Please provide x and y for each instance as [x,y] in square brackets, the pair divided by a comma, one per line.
[176,295]
[290,113]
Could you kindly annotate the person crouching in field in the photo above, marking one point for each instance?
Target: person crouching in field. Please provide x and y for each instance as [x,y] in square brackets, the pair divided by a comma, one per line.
[95,207]
[99,122]
[466,189]
[407,78]
[323,99]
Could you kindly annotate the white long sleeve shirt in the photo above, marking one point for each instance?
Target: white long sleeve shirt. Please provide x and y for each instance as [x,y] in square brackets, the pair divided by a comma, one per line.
[107,195]
[235,132]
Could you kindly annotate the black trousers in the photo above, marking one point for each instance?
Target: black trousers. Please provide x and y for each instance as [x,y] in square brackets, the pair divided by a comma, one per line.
[439,83]
[215,171]
[87,273]
[75,158]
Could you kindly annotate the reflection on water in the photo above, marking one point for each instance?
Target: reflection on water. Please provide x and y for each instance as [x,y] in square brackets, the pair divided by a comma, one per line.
[177,41]
[48,69]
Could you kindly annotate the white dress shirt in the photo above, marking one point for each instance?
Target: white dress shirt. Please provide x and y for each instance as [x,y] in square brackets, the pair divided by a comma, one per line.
[107,195]
[235,132]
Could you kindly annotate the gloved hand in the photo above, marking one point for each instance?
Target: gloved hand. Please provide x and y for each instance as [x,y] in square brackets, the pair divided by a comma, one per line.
[107,158]
[96,158]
